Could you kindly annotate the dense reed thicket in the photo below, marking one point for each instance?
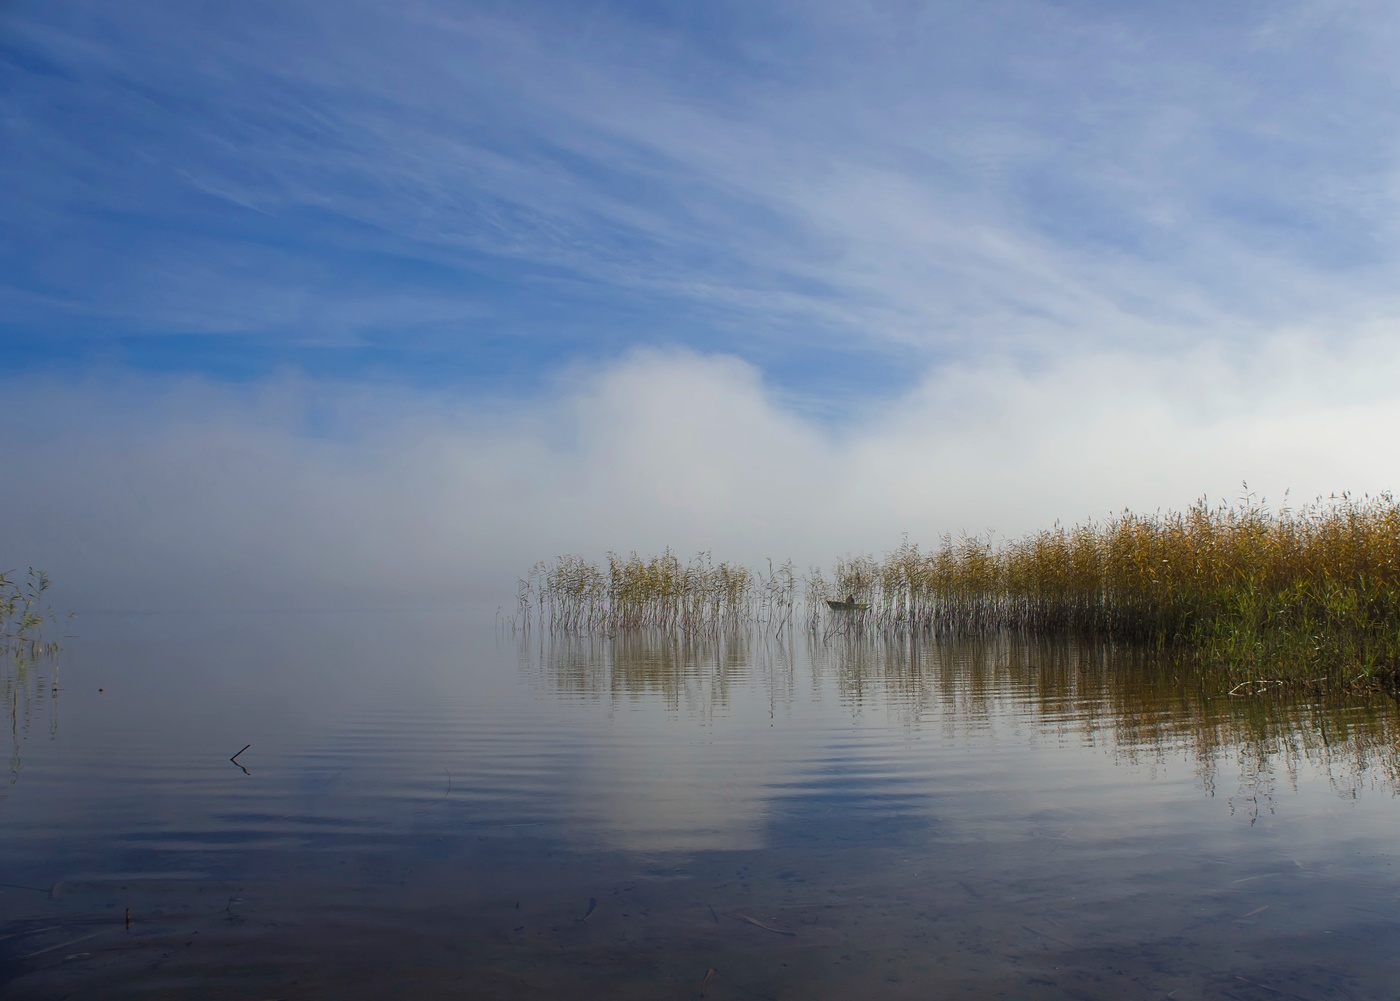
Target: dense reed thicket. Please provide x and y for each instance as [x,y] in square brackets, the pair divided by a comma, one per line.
[1294,594]
[573,594]
[1312,592]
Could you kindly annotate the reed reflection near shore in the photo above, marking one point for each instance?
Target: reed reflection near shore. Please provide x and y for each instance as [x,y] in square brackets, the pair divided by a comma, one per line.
[695,674]
[1140,705]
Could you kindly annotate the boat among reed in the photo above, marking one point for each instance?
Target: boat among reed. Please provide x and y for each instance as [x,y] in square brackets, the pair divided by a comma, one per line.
[849,605]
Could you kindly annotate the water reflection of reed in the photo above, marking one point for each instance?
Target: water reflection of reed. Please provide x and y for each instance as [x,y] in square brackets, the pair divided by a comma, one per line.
[1142,705]
[686,672]
[29,690]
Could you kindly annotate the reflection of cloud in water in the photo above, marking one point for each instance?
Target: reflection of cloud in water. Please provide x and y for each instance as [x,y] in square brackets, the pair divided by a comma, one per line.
[675,797]
[845,801]
[703,789]
[730,762]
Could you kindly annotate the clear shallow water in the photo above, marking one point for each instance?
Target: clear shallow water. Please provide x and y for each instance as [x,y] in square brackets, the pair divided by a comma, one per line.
[433,808]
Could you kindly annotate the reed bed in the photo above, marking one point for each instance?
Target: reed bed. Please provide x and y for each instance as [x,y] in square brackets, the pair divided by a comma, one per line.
[572,594]
[1311,593]
[1289,594]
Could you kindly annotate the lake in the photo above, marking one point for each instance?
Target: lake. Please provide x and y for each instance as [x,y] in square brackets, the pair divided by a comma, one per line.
[430,805]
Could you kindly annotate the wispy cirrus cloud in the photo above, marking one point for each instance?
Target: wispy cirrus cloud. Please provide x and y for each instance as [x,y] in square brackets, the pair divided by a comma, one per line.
[891,185]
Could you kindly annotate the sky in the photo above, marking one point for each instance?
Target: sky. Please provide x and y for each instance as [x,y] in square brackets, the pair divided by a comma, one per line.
[326,301]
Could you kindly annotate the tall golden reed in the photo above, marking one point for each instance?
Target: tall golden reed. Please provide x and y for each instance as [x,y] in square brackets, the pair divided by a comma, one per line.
[1292,593]
[1312,592]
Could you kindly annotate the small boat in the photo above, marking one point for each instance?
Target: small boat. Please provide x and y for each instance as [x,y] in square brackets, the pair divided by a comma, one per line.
[849,605]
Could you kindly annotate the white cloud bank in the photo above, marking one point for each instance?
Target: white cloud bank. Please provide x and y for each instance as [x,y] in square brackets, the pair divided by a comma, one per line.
[140,493]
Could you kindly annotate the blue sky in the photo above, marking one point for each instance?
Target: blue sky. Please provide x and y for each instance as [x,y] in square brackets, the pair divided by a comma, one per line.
[856,213]
[841,194]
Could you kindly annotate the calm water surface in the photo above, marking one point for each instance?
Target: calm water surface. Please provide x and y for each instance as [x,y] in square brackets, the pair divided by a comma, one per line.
[432,808]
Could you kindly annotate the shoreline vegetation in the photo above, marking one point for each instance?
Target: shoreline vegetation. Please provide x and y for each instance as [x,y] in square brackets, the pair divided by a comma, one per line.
[1260,597]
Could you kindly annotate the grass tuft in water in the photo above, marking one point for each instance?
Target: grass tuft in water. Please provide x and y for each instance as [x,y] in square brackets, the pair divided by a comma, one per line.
[572,594]
[22,614]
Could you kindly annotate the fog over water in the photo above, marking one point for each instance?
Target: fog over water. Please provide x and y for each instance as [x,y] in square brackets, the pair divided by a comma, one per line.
[149,491]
